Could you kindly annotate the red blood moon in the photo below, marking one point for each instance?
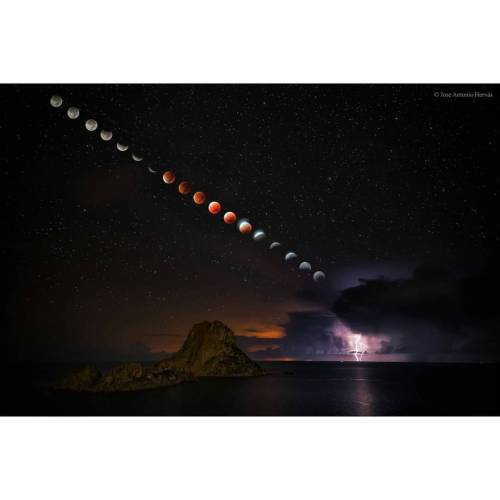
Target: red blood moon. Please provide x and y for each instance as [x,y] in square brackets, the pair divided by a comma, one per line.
[168,177]
[214,207]
[229,217]
[184,187]
[245,227]
[199,198]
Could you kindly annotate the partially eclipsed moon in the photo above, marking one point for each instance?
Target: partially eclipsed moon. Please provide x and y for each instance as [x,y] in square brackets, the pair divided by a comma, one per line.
[121,147]
[136,158]
[259,235]
[305,266]
[245,228]
[290,256]
[168,177]
[152,171]
[319,276]
[274,244]
[106,135]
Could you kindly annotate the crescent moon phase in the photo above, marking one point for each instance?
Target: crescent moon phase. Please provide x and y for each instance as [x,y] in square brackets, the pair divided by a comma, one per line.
[259,235]
[121,147]
[274,244]
[56,101]
[290,256]
[136,158]
[152,171]
[91,125]
[319,276]
[73,113]
[305,266]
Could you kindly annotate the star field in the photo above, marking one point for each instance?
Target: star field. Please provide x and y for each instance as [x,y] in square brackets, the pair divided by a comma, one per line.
[104,253]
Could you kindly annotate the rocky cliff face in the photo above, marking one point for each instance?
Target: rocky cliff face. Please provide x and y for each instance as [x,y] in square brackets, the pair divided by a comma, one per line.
[126,377]
[210,350]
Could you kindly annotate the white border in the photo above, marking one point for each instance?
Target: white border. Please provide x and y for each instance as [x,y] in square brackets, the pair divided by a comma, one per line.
[242,41]
[258,41]
[244,458]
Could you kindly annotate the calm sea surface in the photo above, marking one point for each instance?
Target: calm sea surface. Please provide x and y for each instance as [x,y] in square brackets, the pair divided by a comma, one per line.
[290,389]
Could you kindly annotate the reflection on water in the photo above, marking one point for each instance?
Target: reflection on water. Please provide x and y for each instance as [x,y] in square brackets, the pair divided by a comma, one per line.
[362,392]
[291,388]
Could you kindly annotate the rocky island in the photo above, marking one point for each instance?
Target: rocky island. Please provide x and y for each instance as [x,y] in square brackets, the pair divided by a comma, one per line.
[210,350]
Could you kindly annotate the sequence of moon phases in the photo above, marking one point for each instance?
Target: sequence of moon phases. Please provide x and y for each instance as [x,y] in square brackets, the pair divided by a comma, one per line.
[305,266]
[244,226]
[199,197]
[168,177]
[73,113]
[184,187]
[259,235]
[91,125]
[214,207]
[319,276]
[229,217]
[106,135]
[56,101]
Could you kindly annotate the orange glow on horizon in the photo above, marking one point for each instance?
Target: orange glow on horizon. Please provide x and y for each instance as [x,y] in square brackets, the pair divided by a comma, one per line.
[266,334]
[260,348]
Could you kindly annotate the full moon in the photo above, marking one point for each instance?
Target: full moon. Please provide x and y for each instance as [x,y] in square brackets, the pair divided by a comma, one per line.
[318,276]
[214,207]
[73,113]
[199,198]
[168,177]
[229,217]
[184,187]
[106,135]
[56,101]
[121,147]
[91,125]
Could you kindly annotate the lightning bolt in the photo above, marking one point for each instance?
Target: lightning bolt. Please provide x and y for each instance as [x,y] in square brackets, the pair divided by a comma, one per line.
[359,349]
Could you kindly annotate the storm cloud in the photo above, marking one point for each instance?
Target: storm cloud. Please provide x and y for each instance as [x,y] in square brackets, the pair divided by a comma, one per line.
[430,313]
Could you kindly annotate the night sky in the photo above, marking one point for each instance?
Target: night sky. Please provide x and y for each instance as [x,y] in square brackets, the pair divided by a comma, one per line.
[389,184]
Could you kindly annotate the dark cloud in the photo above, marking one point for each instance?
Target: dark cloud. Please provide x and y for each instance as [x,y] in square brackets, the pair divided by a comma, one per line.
[432,312]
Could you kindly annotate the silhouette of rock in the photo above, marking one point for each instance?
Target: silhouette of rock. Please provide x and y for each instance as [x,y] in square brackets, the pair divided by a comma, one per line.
[126,377]
[210,350]
[81,380]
